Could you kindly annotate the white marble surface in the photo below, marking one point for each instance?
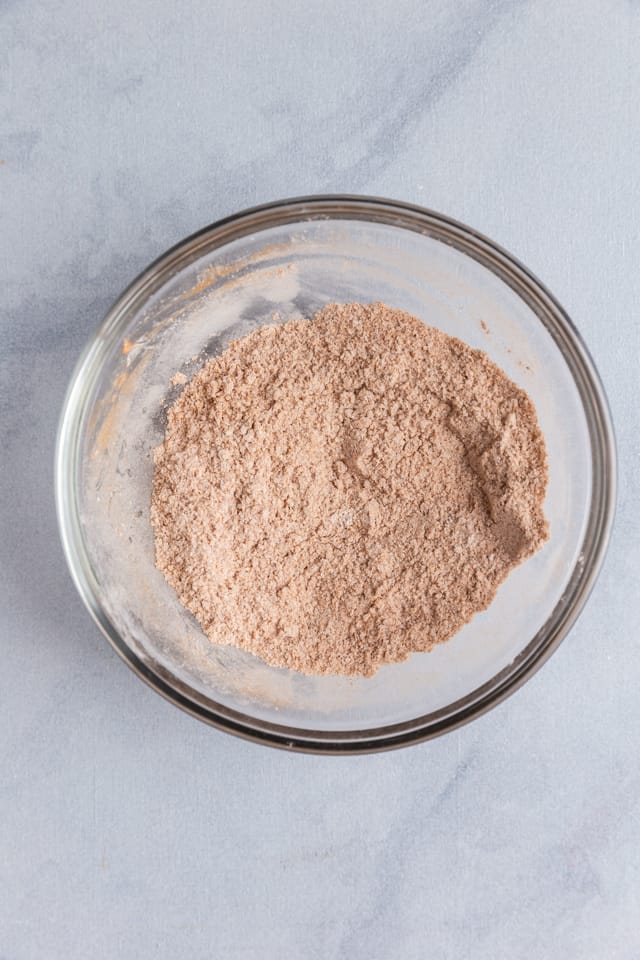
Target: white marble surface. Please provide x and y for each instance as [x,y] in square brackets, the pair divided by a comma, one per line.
[128,829]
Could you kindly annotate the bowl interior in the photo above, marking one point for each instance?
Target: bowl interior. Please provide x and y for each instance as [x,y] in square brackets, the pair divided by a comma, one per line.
[219,289]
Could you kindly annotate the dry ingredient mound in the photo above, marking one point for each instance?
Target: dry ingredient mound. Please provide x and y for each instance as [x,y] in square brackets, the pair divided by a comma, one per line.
[336,493]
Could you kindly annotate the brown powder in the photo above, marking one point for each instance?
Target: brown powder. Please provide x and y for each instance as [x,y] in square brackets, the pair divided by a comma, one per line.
[336,493]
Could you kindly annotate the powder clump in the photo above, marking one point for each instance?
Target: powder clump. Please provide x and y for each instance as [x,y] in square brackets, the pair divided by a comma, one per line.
[337,493]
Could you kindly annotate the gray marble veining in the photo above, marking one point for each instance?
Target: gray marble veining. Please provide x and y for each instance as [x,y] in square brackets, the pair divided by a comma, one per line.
[127,829]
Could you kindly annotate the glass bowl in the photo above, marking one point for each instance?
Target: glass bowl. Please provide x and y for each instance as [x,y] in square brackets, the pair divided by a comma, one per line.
[289,259]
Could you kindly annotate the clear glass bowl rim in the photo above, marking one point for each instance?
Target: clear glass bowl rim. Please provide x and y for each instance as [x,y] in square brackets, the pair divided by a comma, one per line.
[548,310]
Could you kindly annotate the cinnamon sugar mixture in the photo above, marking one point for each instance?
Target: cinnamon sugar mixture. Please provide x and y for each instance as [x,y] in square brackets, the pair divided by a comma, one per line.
[336,493]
